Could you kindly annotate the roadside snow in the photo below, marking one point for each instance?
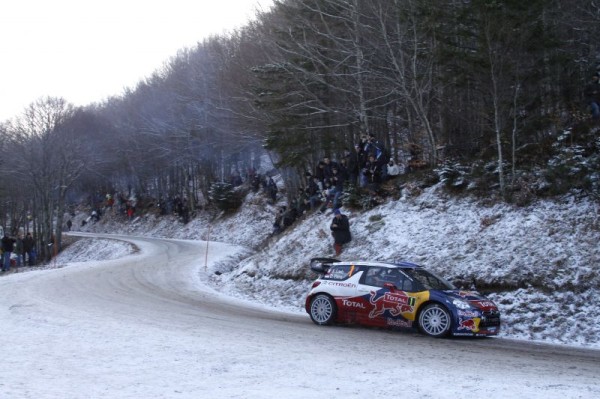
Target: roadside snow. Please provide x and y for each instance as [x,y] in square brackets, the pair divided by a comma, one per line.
[95,249]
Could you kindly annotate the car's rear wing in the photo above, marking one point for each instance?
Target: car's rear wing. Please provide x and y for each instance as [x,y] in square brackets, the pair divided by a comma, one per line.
[321,265]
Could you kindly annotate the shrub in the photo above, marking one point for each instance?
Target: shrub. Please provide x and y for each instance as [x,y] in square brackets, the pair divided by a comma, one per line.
[454,176]
[224,196]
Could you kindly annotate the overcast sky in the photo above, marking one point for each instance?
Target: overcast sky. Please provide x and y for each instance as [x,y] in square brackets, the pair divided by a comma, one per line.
[88,50]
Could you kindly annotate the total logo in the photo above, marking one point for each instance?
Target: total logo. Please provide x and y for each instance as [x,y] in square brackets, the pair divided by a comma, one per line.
[396,302]
[352,304]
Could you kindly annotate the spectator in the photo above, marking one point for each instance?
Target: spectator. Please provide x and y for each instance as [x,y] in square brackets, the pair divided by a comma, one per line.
[19,251]
[110,201]
[338,178]
[393,169]
[29,249]
[185,212]
[592,96]
[343,167]
[328,167]
[272,190]
[8,245]
[290,215]
[313,192]
[353,163]
[302,205]
[130,209]
[320,171]
[255,182]
[250,173]
[372,173]
[162,206]
[325,192]
[365,147]
[381,155]
[278,224]
[340,230]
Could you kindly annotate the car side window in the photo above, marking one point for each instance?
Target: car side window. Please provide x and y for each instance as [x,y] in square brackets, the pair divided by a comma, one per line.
[374,276]
[405,284]
[340,272]
[378,276]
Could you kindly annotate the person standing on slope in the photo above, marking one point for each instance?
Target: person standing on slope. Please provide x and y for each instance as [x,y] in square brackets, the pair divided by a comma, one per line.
[340,230]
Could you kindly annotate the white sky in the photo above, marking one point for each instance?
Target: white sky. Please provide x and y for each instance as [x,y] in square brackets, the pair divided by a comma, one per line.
[86,51]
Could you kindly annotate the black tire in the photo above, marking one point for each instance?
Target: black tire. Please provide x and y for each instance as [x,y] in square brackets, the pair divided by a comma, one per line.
[323,310]
[435,320]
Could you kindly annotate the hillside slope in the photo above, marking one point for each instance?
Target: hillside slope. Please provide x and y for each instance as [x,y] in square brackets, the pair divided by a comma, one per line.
[539,263]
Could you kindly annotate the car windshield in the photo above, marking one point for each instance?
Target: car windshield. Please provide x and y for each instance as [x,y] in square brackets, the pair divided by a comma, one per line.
[427,280]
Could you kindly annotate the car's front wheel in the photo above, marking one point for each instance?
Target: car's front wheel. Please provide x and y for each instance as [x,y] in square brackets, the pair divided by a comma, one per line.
[435,320]
[323,309]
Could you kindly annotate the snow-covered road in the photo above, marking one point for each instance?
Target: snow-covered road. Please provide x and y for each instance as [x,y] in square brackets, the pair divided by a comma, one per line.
[147,326]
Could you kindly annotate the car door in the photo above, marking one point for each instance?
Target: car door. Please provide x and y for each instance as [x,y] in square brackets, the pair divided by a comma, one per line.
[389,298]
[372,291]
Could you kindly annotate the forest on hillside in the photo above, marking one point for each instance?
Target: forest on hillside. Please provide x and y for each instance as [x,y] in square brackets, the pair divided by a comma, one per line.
[484,94]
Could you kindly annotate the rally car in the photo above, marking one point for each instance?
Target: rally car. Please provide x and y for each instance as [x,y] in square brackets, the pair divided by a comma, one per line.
[397,295]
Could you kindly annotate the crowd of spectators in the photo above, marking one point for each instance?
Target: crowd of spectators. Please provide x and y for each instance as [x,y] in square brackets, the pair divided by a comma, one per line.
[365,167]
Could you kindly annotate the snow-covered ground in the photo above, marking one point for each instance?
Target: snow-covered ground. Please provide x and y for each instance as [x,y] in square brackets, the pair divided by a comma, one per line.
[539,263]
[148,325]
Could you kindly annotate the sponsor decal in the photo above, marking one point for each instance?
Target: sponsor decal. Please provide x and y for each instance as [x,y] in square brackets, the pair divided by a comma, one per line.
[468,313]
[464,294]
[339,284]
[351,304]
[459,334]
[486,304]
[399,323]
[396,302]
[469,324]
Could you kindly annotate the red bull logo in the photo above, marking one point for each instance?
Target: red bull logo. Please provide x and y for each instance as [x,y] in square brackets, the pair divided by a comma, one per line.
[470,324]
[396,302]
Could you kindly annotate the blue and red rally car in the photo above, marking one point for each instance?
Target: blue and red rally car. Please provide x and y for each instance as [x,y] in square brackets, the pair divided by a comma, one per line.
[397,295]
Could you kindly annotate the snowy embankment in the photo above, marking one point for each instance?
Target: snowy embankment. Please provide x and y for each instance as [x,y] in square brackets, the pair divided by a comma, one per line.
[539,263]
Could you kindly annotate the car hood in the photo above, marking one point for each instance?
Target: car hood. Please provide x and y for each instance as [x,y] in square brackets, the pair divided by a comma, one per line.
[473,297]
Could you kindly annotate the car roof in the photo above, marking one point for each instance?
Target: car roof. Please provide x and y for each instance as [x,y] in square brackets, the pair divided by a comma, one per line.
[395,264]
[321,265]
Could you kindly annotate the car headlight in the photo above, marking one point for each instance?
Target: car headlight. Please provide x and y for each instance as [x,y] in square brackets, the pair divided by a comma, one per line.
[460,304]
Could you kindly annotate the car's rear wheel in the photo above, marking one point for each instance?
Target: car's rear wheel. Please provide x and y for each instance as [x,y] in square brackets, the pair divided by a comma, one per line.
[323,309]
[435,320]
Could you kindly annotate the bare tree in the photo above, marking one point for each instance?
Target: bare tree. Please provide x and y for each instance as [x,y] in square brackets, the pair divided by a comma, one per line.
[46,160]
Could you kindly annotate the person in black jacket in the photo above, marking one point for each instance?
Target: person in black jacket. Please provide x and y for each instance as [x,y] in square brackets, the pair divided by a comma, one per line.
[592,96]
[8,245]
[29,249]
[340,230]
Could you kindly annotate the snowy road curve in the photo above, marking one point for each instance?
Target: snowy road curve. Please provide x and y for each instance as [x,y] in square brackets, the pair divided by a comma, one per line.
[146,326]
